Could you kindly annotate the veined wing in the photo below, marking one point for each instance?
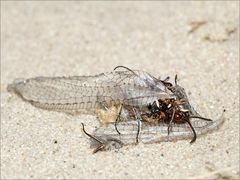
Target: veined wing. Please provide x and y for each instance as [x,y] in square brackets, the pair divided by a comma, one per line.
[153,133]
[80,93]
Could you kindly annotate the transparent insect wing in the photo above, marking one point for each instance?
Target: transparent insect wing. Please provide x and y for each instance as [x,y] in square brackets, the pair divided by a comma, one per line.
[77,93]
[154,134]
[181,94]
[148,80]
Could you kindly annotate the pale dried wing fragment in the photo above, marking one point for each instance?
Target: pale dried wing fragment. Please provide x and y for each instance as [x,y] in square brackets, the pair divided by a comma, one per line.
[155,133]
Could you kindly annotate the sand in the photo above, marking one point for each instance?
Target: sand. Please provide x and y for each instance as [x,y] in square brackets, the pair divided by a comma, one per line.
[199,41]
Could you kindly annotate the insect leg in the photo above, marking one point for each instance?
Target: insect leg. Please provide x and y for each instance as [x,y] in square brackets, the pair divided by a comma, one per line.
[199,117]
[138,130]
[170,123]
[118,118]
[89,135]
[138,118]
[193,130]
[102,144]
[99,148]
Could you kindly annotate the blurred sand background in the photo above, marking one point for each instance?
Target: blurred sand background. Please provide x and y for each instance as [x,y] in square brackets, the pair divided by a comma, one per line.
[197,40]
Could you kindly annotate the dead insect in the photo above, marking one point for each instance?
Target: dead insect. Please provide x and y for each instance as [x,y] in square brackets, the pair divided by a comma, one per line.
[173,110]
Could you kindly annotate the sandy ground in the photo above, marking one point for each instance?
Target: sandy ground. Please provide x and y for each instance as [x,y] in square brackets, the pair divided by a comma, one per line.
[198,41]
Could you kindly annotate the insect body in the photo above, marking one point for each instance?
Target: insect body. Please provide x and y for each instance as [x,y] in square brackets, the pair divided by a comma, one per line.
[111,96]
[176,110]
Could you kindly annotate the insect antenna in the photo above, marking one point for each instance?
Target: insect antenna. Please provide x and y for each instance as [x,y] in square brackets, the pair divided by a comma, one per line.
[166,79]
[199,117]
[193,130]
[176,79]
[89,135]
[124,68]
